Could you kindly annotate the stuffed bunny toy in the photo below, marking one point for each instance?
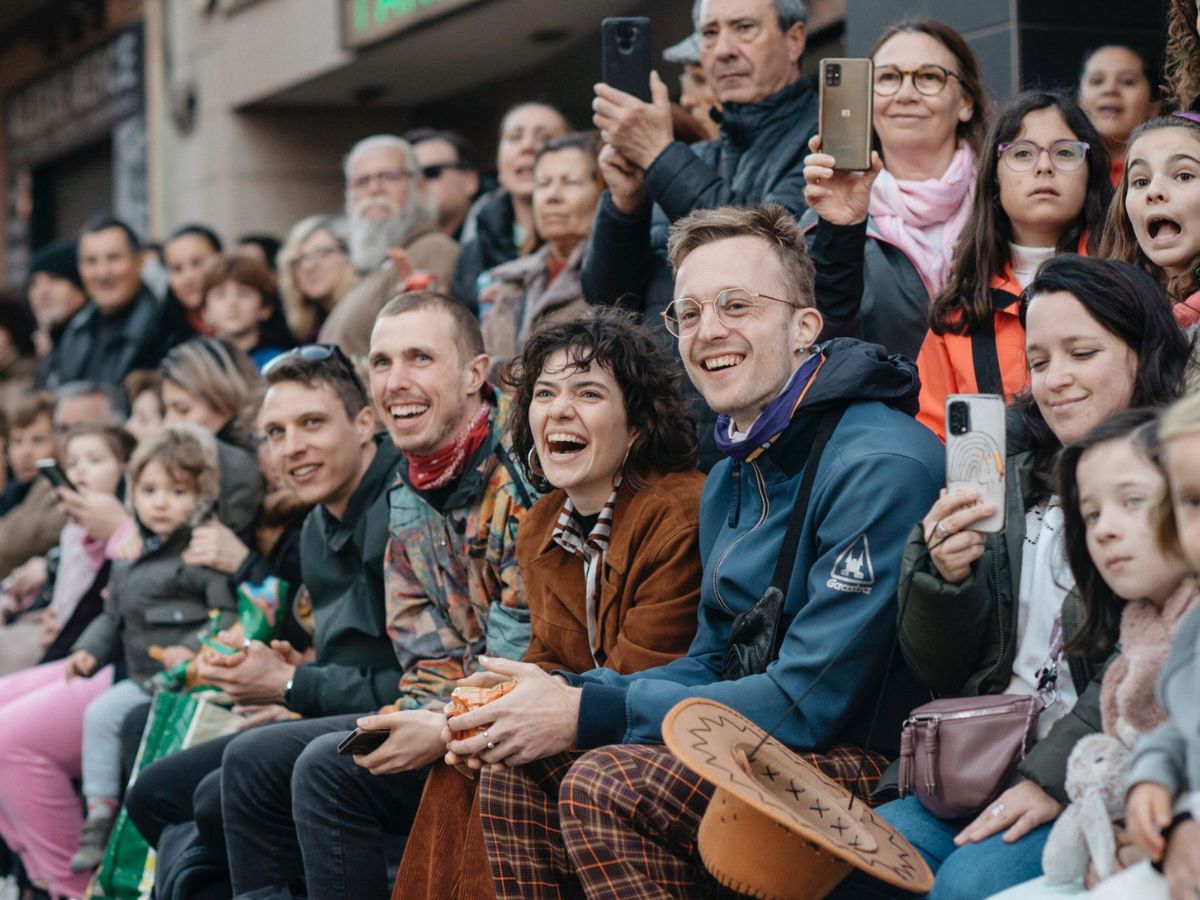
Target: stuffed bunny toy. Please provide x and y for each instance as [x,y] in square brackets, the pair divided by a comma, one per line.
[1096,774]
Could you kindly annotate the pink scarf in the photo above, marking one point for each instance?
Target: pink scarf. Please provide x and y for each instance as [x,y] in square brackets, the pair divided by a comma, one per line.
[902,210]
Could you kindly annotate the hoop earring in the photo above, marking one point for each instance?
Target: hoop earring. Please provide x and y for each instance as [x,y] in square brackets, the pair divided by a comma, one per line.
[620,474]
[534,470]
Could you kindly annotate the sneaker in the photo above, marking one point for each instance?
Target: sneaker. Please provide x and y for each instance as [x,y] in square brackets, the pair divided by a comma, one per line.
[92,841]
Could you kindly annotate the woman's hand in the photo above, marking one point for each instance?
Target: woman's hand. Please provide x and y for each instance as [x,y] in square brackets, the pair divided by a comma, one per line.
[840,197]
[80,663]
[1147,813]
[626,182]
[1182,864]
[1020,809]
[537,718]
[101,514]
[50,628]
[953,547]
[414,740]
[215,546]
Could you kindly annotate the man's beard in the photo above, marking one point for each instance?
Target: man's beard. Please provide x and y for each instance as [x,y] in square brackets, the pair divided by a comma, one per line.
[370,239]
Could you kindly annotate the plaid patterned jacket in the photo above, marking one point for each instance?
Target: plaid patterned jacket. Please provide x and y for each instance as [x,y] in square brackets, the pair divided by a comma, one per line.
[452,585]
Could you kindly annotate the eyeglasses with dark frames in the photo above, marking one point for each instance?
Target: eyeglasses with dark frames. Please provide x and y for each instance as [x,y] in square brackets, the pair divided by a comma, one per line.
[929,79]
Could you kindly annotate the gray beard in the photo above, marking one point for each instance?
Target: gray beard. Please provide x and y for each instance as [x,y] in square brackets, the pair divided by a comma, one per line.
[370,239]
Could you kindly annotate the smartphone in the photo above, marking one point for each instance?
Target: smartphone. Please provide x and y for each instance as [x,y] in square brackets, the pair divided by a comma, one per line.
[55,475]
[360,743]
[625,42]
[846,104]
[975,451]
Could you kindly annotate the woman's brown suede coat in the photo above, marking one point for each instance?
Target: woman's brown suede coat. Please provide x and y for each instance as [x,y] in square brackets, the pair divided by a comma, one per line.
[646,613]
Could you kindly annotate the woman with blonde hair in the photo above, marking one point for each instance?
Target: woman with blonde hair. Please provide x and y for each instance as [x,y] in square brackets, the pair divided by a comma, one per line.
[212,384]
[314,273]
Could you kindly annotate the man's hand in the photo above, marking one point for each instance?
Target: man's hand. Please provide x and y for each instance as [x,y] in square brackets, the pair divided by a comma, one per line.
[1182,864]
[253,716]
[626,182]
[215,546]
[81,663]
[538,718]
[1024,807]
[415,740]
[639,131]
[256,676]
[101,514]
[1147,813]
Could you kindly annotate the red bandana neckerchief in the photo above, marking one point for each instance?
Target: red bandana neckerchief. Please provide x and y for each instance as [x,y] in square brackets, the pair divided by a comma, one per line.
[441,467]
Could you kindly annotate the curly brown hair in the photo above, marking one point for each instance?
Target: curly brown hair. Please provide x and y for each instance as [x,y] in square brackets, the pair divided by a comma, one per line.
[1120,242]
[1182,67]
[649,383]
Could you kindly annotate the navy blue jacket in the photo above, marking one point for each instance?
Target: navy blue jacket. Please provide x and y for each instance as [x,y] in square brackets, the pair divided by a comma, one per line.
[879,474]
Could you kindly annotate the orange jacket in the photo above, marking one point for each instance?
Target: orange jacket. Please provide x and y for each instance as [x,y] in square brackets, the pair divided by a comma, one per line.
[947,365]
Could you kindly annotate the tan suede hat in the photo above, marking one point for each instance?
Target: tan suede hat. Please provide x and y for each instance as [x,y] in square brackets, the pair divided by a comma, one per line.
[777,827]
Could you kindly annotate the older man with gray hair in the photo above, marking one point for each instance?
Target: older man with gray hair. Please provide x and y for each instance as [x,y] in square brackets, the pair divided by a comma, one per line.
[395,242]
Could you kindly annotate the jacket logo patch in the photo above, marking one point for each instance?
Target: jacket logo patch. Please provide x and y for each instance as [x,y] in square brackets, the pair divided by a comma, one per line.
[852,571]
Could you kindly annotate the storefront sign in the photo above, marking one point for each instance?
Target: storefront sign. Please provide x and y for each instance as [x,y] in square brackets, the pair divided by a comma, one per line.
[76,104]
[367,21]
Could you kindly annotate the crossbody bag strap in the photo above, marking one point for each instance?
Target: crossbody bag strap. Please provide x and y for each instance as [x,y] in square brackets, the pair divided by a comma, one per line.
[791,539]
[986,360]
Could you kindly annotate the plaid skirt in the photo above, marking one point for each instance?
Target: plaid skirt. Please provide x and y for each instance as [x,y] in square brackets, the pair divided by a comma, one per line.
[618,821]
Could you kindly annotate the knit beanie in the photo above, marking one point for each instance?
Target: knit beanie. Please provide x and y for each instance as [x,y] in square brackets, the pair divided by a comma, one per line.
[58,258]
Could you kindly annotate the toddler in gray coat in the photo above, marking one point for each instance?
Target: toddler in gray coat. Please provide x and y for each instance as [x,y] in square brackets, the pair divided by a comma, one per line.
[154,600]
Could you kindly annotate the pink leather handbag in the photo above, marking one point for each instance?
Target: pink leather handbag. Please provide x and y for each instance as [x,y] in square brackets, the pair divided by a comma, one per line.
[958,754]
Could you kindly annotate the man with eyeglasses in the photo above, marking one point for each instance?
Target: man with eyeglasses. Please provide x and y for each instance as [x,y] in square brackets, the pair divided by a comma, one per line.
[395,242]
[750,54]
[823,429]
[451,174]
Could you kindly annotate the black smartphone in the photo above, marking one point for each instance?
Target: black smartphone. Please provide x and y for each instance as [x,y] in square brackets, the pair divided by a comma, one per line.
[625,41]
[54,474]
[360,743]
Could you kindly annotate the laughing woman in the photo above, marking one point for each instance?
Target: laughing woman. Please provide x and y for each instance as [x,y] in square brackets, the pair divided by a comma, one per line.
[609,557]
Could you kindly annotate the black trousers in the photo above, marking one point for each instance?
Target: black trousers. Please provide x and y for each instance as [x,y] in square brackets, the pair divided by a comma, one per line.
[284,808]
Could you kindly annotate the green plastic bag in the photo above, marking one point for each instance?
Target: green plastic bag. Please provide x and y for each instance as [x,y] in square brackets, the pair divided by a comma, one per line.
[180,719]
[177,722]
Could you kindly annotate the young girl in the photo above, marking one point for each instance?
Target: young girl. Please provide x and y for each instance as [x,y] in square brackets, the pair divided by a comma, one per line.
[1163,806]
[1134,589]
[41,714]
[1118,89]
[154,600]
[1154,222]
[1042,188]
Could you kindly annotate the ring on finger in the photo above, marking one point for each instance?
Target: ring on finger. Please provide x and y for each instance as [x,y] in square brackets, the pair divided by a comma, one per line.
[941,531]
[491,745]
[998,809]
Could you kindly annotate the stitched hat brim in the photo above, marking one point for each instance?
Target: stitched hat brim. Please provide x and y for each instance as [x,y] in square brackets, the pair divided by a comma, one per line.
[715,742]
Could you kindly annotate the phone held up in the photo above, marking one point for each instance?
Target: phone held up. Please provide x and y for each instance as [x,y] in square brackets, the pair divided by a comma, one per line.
[625,60]
[56,476]
[846,105]
[975,451]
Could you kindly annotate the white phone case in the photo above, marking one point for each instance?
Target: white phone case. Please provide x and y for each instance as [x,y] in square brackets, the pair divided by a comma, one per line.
[975,457]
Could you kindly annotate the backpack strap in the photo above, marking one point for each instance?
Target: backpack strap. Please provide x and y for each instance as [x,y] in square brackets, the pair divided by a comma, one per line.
[984,355]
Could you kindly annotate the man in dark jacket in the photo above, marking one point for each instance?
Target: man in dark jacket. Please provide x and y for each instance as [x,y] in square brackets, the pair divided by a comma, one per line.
[750,51]
[320,429]
[115,332]
[749,350]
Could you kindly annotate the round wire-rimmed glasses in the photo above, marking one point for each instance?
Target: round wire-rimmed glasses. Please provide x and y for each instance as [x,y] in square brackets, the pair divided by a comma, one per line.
[929,79]
[1065,155]
[682,315]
